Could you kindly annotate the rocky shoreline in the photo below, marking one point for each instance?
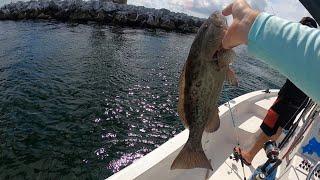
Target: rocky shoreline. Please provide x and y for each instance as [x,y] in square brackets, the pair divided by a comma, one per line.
[104,12]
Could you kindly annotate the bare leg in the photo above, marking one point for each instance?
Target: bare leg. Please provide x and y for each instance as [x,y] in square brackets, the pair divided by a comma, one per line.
[261,139]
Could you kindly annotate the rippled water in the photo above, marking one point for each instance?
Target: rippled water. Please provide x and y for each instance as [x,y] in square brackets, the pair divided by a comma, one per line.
[85,101]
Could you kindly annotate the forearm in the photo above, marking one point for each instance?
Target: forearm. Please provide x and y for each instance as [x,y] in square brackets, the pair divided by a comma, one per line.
[289,47]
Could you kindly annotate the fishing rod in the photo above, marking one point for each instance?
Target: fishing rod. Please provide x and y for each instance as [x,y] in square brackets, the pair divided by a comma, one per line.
[300,135]
[311,117]
[273,151]
[293,128]
[237,136]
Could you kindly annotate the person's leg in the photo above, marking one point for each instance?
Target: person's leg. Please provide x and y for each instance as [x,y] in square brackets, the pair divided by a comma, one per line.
[270,128]
[272,123]
[277,135]
[258,145]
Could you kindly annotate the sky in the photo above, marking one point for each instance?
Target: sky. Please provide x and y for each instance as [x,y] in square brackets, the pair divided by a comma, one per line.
[289,9]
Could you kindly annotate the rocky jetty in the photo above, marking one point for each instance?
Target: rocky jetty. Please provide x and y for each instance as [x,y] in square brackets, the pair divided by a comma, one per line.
[115,12]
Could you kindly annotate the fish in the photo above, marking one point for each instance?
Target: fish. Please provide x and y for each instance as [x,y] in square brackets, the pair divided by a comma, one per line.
[200,84]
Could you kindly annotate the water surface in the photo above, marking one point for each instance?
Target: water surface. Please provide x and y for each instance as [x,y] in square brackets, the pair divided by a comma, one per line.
[86,100]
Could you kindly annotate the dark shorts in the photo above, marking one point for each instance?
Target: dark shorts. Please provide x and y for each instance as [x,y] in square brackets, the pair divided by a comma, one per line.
[281,114]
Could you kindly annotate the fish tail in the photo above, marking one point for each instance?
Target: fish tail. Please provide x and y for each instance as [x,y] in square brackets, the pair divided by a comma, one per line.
[190,158]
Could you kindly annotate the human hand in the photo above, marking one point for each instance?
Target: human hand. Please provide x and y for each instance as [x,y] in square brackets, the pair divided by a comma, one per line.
[243,18]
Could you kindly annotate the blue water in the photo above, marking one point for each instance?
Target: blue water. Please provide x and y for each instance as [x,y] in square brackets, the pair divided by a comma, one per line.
[84,101]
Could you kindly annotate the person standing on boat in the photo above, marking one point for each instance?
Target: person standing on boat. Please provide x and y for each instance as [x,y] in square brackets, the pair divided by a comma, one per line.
[291,100]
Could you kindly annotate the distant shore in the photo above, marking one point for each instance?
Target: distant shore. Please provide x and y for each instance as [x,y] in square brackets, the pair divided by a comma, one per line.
[104,12]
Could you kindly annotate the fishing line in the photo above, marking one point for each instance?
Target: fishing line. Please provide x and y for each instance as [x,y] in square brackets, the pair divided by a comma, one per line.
[237,135]
[293,128]
[233,123]
[312,116]
[304,103]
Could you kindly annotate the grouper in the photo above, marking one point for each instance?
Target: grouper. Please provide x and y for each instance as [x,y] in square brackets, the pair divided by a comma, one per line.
[200,85]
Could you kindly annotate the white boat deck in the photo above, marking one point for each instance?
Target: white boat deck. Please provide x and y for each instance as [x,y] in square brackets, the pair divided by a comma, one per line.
[248,111]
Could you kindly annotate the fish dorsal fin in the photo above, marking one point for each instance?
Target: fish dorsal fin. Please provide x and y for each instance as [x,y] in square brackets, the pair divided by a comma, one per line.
[181,102]
[196,47]
[231,77]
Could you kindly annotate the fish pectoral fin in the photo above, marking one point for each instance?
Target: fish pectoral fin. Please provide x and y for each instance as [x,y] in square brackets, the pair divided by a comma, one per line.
[213,123]
[231,77]
[190,158]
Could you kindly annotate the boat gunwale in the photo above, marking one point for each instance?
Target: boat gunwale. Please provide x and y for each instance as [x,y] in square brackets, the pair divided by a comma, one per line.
[155,157]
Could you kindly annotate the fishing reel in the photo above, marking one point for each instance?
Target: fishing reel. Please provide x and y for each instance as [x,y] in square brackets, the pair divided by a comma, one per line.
[268,169]
[259,176]
[235,156]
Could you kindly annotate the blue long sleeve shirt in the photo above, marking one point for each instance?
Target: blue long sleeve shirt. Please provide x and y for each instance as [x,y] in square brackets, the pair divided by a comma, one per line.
[291,48]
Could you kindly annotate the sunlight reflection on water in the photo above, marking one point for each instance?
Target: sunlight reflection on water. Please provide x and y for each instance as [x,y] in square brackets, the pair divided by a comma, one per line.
[86,101]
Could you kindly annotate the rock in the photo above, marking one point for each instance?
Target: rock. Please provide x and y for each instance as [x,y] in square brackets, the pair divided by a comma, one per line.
[120,18]
[115,1]
[61,15]
[21,15]
[100,16]
[141,19]
[132,17]
[53,6]
[80,16]
[165,11]
[43,16]
[120,1]
[96,5]
[102,11]
[33,5]
[187,28]
[151,21]
[168,25]
[32,13]
[109,7]
[2,15]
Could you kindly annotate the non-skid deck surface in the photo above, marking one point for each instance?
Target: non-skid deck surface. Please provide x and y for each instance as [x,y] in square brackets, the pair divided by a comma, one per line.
[247,131]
